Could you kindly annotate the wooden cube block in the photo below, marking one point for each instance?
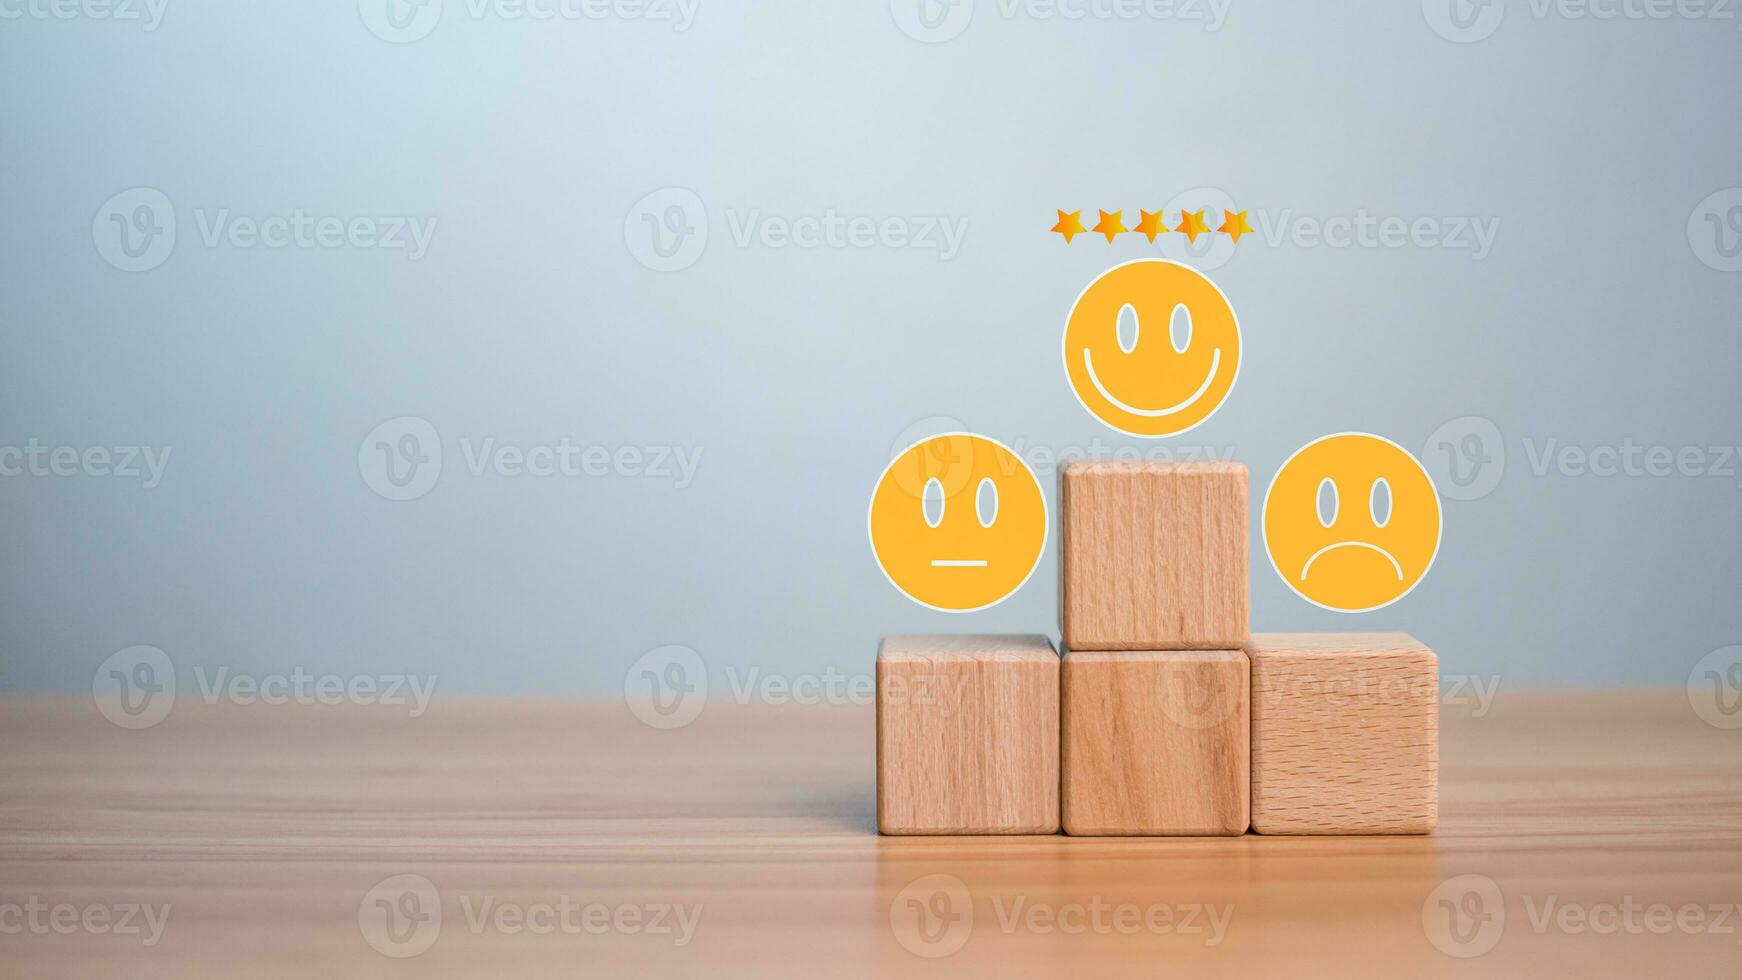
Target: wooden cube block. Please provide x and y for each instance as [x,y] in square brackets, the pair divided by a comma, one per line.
[1155,743]
[1154,556]
[1345,734]
[967,735]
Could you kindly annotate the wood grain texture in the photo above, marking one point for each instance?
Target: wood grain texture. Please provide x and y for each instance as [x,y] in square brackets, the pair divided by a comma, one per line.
[1345,734]
[1155,743]
[1154,556]
[263,828]
[967,735]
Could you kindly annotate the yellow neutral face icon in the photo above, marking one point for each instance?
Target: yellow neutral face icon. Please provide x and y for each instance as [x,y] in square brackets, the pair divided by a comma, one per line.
[1352,522]
[957,522]
[1152,348]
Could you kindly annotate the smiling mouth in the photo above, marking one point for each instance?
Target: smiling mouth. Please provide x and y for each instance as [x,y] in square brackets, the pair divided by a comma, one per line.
[958,563]
[1215,364]
[1351,544]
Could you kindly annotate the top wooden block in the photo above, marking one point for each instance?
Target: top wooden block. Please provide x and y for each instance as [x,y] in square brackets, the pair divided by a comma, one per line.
[1154,556]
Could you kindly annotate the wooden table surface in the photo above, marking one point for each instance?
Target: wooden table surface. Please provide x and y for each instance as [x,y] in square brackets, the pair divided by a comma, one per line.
[1604,834]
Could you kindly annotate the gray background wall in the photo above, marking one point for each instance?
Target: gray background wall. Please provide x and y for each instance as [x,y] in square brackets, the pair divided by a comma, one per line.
[1605,309]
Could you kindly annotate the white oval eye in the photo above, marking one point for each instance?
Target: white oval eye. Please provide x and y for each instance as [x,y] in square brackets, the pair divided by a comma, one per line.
[1379,502]
[931,502]
[1328,502]
[1179,329]
[986,502]
[1127,328]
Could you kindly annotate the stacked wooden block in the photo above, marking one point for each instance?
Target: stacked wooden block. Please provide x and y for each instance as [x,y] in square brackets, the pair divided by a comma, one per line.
[1164,716]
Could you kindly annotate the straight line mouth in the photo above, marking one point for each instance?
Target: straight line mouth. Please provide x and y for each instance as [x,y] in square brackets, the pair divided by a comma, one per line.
[958,563]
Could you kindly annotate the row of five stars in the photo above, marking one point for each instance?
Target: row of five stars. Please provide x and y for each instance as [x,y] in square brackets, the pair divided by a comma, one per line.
[1112,224]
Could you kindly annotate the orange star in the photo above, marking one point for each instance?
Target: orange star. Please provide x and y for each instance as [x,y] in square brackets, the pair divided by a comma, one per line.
[1070,225]
[1151,225]
[1234,225]
[1192,224]
[1111,225]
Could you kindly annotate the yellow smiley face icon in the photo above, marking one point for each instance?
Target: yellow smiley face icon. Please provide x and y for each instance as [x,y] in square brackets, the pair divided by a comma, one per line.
[957,522]
[1152,348]
[1352,522]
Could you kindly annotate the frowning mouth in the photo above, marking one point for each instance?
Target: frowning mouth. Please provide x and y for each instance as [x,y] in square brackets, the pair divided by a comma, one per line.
[1351,544]
[958,563]
[1094,379]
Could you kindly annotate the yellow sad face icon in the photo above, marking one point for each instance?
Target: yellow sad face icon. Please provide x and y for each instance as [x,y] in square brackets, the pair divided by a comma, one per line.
[1352,522]
[1152,348]
[957,522]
